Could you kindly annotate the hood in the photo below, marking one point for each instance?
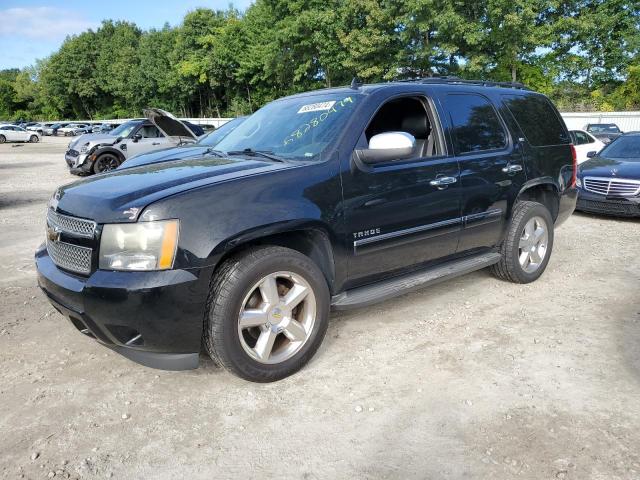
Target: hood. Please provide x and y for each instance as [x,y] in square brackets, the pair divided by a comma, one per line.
[168,124]
[610,167]
[91,138]
[606,136]
[166,155]
[122,195]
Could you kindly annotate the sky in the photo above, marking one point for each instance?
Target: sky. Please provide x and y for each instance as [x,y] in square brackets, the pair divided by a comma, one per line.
[34,29]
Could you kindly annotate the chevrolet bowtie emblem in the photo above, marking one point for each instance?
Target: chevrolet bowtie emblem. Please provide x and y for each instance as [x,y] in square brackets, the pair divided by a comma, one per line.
[53,234]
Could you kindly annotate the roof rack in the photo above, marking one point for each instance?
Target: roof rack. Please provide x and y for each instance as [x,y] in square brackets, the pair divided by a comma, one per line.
[457,80]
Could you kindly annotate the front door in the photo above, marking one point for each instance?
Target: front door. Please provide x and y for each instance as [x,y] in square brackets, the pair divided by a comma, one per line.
[402,213]
[152,139]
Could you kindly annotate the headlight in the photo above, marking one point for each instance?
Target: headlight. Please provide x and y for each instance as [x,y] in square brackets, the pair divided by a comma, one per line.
[578,182]
[84,148]
[139,246]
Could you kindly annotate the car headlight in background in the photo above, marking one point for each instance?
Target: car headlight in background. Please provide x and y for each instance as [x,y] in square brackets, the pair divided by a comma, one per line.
[141,246]
[578,182]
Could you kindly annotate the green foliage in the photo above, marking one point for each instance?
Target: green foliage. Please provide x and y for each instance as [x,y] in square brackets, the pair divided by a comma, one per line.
[584,54]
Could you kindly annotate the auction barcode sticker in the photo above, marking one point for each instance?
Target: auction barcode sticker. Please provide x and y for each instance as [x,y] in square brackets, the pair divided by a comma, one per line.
[316,107]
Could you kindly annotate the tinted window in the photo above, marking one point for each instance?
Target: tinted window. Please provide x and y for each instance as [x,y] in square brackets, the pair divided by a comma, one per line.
[476,126]
[537,119]
[581,138]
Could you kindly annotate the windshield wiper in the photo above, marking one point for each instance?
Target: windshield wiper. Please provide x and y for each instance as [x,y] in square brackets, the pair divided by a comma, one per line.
[213,151]
[257,153]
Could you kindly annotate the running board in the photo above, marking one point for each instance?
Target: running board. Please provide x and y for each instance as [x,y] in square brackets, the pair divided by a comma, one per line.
[392,287]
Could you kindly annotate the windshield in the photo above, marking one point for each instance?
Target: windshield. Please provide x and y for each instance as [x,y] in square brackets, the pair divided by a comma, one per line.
[604,128]
[623,147]
[211,139]
[294,128]
[124,130]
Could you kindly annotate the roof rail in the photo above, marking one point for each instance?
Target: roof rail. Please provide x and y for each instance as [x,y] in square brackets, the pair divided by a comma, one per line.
[457,80]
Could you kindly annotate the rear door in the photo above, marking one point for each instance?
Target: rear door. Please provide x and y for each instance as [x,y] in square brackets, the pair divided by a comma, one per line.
[491,169]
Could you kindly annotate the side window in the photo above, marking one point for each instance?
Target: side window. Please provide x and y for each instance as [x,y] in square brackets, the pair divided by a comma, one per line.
[581,138]
[476,125]
[538,119]
[410,115]
[149,131]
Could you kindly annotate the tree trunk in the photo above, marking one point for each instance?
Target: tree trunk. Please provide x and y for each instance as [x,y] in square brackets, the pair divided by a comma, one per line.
[513,72]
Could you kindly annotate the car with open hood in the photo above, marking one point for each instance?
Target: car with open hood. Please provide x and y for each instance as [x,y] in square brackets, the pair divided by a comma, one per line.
[336,198]
[609,182]
[202,147]
[102,152]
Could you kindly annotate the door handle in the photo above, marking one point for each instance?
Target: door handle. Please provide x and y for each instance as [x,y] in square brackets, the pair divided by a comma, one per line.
[155,143]
[442,182]
[512,168]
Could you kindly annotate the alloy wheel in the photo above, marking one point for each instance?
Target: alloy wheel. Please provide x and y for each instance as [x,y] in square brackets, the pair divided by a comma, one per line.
[532,248]
[277,317]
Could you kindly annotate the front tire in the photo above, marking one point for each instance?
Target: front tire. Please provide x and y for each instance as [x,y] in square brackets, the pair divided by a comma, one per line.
[267,313]
[105,163]
[527,246]
[33,139]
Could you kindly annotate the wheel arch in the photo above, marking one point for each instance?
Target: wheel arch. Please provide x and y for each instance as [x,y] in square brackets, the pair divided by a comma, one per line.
[543,191]
[101,151]
[312,241]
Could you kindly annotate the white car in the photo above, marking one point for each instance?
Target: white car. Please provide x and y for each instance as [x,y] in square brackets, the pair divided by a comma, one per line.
[12,133]
[38,127]
[585,143]
[72,129]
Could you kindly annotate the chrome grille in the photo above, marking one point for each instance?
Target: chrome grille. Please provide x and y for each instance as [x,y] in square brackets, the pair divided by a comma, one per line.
[72,225]
[612,186]
[70,257]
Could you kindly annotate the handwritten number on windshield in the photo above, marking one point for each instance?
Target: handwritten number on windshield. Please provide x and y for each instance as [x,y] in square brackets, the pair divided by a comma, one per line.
[316,121]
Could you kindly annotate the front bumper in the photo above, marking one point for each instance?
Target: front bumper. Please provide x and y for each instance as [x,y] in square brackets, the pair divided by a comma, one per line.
[78,163]
[152,318]
[607,205]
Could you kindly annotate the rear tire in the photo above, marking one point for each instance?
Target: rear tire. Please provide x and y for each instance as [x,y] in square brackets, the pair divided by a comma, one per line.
[2,139]
[240,319]
[527,246]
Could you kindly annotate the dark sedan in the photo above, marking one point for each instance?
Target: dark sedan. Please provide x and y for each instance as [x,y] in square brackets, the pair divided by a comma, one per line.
[605,132]
[609,182]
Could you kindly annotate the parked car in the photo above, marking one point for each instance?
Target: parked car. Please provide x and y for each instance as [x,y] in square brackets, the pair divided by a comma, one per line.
[183,152]
[73,129]
[340,197]
[101,152]
[609,182]
[101,128]
[197,130]
[606,132]
[53,129]
[13,133]
[585,143]
[39,127]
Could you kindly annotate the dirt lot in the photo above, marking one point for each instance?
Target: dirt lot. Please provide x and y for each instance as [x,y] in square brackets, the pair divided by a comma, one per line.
[474,378]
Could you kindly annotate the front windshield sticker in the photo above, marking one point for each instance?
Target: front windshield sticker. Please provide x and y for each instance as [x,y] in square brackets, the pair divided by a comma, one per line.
[315,107]
[318,119]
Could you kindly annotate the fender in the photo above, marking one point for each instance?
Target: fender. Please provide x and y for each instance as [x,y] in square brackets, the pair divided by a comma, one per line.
[101,148]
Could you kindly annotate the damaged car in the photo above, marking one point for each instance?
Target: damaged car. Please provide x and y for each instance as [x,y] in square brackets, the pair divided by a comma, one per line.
[102,152]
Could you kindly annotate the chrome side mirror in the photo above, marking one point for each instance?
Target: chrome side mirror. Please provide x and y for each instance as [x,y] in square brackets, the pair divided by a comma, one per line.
[387,147]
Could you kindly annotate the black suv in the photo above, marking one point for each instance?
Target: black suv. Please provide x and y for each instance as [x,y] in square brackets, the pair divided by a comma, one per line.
[332,198]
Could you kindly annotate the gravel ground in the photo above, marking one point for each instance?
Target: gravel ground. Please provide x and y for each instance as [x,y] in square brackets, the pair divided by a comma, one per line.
[473,378]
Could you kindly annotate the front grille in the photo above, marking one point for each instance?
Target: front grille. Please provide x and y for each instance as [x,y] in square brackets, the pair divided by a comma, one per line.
[70,257]
[71,225]
[612,186]
[73,153]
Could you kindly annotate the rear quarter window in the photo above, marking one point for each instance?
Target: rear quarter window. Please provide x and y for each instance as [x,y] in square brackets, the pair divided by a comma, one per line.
[538,119]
